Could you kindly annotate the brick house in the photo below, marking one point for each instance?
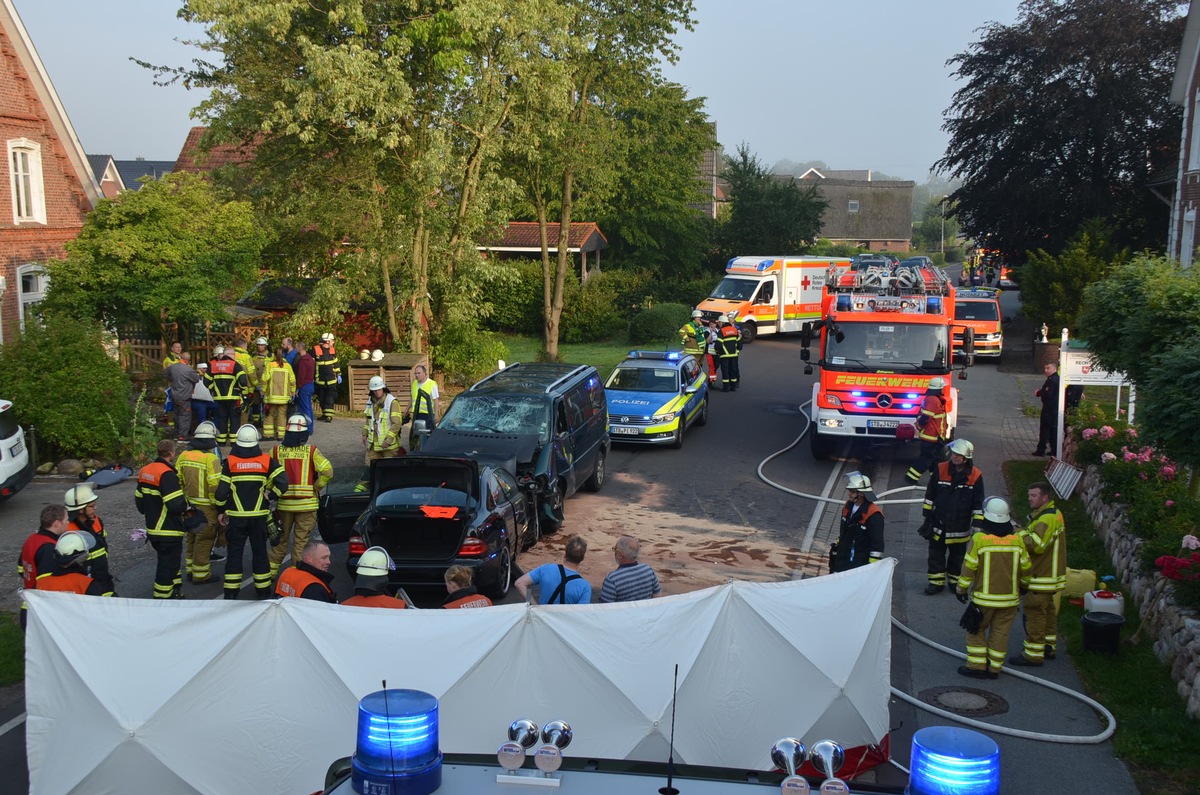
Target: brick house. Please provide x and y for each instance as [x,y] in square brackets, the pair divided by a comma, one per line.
[1185,91]
[48,188]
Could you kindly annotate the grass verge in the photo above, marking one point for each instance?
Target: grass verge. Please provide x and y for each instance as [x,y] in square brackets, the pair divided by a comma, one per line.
[1154,736]
[604,356]
[12,651]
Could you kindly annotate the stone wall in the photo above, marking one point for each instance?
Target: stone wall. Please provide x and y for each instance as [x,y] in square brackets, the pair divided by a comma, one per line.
[1173,630]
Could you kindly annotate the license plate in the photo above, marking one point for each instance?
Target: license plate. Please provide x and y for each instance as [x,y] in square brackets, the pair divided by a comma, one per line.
[17,448]
[627,431]
[883,423]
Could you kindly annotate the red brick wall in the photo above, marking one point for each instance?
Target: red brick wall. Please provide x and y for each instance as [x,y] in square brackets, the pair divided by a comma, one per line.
[22,115]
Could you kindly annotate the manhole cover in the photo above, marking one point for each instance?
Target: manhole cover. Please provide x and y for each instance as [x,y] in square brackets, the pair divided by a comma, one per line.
[969,702]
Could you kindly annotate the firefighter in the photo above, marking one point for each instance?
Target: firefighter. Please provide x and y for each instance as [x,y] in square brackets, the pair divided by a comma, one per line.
[381,429]
[259,359]
[250,482]
[1045,539]
[174,356]
[953,500]
[729,344]
[199,470]
[227,382]
[460,588]
[241,355]
[693,335]
[308,472]
[160,499]
[329,375]
[371,581]
[861,538]
[932,430]
[81,510]
[37,553]
[279,388]
[310,577]
[423,406]
[995,573]
[71,553]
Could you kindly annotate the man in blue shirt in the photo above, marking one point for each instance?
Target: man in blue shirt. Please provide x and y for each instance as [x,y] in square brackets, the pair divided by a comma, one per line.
[559,584]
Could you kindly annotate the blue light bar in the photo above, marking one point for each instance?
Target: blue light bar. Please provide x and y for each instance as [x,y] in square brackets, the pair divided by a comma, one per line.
[843,303]
[861,403]
[933,305]
[397,751]
[947,760]
[856,393]
[906,405]
[912,395]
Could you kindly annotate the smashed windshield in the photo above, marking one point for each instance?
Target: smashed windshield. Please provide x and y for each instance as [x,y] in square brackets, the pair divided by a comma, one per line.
[517,414]
[735,289]
[887,346]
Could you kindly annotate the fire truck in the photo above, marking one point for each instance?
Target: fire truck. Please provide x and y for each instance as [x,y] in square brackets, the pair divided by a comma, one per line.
[883,334]
[770,294]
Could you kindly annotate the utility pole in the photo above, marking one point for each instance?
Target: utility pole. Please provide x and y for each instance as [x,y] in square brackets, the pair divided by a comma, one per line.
[943,203]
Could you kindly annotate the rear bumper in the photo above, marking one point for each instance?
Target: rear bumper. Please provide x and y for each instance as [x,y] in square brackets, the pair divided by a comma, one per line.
[433,575]
[16,482]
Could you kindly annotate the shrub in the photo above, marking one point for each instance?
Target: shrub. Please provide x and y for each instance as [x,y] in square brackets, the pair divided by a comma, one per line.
[467,354]
[590,311]
[517,303]
[61,380]
[659,326]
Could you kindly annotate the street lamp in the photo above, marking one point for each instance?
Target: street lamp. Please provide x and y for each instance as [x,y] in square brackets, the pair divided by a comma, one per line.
[943,203]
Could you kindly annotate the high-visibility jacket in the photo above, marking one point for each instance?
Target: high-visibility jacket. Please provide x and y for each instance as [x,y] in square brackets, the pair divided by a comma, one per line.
[307,473]
[376,600]
[693,337]
[245,483]
[730,341]
[226,379]
[931,422]
[278,384]
[242,357]
[304,582]
[259,364]
[200,473]
[1046,541]
[160,499]
[465,598]
[37,559]
[95,528]
[73,582]
[861,539]
[382,426]
[997,567]
[422,399]
[953,500]
[170,360]
[328,368]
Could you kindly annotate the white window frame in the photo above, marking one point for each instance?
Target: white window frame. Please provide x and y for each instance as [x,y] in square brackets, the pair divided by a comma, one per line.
[1193,161]
[852,206]
[28,190]
[34,297]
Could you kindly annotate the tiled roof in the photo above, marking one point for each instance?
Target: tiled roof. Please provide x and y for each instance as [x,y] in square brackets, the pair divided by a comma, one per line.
[133,170]
[524,235]
[191,158]
[857,174]
[98,165]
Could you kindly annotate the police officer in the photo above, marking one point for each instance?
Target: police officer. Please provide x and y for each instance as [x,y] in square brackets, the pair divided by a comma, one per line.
[71,567]
[159,497]
[953,500]
[250,480]
[199,469]
[329,375]
[423,406]
[861,538]
[228,383]
[307,473]
[81,510]
[729,344]
[931,430]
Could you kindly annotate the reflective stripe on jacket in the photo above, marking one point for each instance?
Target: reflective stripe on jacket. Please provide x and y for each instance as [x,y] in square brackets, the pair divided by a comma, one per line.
[931,422]
[728,342]
[160,499]
[953,500]
[1046,541]
[328,368]
[279,383]
[307,473]
[245,483]
[997,567]
[96,530]
[381,428]
[200,471]
[226,379]
[693,337]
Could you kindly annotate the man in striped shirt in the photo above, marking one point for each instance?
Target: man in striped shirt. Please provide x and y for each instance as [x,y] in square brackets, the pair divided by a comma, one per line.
[631,580]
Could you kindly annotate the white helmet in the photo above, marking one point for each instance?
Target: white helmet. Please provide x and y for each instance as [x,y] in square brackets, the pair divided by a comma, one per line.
[364,354]
[937,382]
[205,430]
[73,547]
[219,350]
[261,341]
[376,382]
[375,562]
[723,318]
[858,481]
[247,435]
[327,337]
[962,447]
[995,509]
[297,422]
[377,355]
[80,497]
[696,313]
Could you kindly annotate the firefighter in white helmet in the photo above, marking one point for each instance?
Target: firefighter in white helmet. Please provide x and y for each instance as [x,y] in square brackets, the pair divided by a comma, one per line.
[329,375]
[729,345]
[383,420]
[932,429]
[693,335]
[81,511]
[371,581]
[861,538]
[70,574]
[308,472]
[250,482]
[953,500]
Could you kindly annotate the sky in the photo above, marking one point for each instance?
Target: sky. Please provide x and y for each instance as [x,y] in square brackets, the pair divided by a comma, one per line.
[858,84]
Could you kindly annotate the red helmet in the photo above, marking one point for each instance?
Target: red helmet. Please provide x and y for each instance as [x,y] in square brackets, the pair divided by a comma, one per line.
[905,432]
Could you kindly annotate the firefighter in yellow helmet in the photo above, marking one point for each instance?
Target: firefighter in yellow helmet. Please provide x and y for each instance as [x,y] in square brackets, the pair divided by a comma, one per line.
[308,472]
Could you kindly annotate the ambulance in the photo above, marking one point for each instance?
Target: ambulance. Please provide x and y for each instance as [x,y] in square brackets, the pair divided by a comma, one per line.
[979,309]
[770,294]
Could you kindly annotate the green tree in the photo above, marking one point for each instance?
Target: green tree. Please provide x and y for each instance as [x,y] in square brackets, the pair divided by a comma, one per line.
[768,214]
[173,248]
[1064,116]
[937,228]
[1052,286]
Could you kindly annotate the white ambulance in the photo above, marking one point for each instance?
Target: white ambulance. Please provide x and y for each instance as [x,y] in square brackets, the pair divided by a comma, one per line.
[770,294]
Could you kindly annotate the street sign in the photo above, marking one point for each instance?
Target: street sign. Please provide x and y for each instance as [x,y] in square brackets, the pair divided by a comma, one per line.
[1078,367]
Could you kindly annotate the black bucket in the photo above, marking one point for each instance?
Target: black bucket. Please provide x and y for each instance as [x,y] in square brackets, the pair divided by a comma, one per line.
[1102,631]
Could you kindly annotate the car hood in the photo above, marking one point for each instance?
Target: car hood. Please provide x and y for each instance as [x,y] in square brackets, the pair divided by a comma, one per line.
[641,403]
[521,446]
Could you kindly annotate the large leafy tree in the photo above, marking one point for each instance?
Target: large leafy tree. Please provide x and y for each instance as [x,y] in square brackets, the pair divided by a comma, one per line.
[1062,117]
[174,250]
[768,214]
[1052,286]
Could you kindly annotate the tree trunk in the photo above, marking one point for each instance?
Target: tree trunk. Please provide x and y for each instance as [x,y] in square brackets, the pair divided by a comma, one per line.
[550,322]
[563,265]
[386,272]
[420,299]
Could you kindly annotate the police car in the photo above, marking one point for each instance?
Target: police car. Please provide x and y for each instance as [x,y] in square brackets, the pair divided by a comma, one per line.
[655,396]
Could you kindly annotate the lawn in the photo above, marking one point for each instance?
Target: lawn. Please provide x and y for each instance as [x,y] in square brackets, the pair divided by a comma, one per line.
[604,356]
[1154,735]
[12,651]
